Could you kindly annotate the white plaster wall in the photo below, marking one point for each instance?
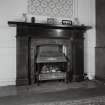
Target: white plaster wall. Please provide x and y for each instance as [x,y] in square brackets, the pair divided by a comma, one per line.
[86,15]
[12,9]
[9,10]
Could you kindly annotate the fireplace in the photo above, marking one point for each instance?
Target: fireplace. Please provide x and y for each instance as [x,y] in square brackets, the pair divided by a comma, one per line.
[47,52]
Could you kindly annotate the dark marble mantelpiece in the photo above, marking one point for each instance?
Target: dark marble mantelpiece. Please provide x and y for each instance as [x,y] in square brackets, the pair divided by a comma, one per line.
[28,31]
[40,30]
[55,26]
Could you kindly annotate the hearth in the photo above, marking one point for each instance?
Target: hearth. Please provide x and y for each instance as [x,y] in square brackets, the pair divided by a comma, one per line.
[47,52]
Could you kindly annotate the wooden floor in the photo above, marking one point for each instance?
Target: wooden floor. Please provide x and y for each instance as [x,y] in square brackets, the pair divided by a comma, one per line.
[48,86]
[51,91]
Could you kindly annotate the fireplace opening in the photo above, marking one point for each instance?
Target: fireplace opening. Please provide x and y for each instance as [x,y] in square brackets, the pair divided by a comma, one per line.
[51,62]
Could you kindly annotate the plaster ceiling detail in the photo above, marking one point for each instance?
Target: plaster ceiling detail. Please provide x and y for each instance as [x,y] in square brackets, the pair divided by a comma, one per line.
[51,8]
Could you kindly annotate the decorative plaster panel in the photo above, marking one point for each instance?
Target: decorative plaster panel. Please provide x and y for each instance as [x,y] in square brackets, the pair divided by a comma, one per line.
[51,8]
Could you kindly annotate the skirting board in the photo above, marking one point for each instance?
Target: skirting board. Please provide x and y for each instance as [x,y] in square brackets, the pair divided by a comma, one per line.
[7,82]
[100,78]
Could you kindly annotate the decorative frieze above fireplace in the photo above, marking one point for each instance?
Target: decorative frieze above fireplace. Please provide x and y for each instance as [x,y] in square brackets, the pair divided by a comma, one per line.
[49,46]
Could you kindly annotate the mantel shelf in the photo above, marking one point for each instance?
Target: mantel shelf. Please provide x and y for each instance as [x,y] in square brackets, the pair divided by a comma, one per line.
[52,26]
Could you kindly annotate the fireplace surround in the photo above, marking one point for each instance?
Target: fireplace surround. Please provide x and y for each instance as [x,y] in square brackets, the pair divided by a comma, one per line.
[30,37]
